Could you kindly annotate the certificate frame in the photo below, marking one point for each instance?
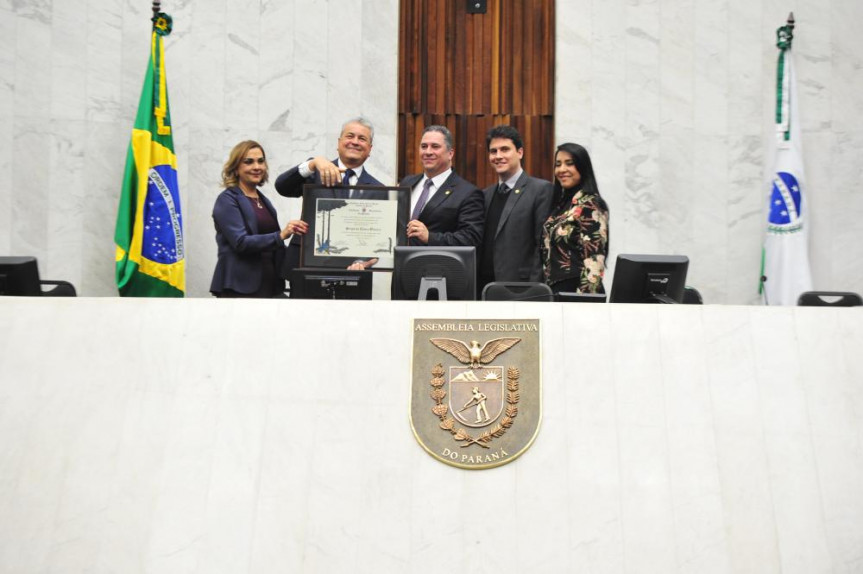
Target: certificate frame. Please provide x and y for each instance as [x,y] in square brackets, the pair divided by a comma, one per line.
[351,223]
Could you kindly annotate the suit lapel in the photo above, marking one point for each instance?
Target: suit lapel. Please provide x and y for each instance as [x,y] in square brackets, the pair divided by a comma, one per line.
[441,195]
[246,210]
[513,197]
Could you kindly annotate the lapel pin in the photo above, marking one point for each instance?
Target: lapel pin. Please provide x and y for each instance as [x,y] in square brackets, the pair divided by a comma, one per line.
[517,191]
[447,192]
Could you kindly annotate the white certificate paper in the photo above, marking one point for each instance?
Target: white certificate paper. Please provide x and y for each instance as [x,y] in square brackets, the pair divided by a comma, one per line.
[358,228]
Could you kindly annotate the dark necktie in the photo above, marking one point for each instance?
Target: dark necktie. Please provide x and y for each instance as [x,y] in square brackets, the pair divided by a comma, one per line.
[421,202]
[346,180]
[502,189]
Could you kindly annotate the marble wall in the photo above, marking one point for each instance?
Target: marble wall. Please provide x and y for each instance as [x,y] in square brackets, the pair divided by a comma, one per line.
[673,98]
[154,436]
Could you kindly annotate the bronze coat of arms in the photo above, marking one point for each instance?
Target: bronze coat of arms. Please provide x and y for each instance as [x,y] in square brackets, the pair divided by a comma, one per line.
[476,389]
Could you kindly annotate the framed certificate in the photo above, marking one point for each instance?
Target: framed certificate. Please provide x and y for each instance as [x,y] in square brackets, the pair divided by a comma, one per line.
[353,223]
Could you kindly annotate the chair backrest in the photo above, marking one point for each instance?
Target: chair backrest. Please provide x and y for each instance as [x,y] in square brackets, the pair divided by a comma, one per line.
[60,289]
[517,291]
[691,296]
[829,299]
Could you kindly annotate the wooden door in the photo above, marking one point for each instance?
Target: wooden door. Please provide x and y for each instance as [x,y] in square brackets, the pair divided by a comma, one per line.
[471,72]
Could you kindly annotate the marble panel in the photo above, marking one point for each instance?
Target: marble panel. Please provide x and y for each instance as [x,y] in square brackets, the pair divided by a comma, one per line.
[311,71]
[848,229]
[637,367]
[208,151]
[126,528]
[797,504]
[607,151]
[233,486]
[179,516]
[8,61]
[242,65]
[68,42]
[7,195]
[748,513]
[711,82]
[32,79]
[66,199]
[595,499]
[379,83]
[134,47]
[536,498]
[847,59]
[783,403]
[813,48]
[29,201]
[345,37]
[208,68]
[105,66]
[591,401]
[382,161]
[648,527]
[675,153]
[644,197]
[840,473]
[832,409]
[746,36]
[708,262]
[276,69]
[282,512]
[821,199]
[573,97]
[746,218]
[700,539]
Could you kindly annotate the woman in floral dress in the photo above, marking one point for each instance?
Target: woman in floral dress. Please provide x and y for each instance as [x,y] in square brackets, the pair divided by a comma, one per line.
[575,236]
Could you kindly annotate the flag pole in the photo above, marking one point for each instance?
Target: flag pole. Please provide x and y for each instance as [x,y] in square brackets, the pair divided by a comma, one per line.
[157,7]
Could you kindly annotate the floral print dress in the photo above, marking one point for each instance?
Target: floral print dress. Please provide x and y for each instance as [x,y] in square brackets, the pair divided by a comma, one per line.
[575,242]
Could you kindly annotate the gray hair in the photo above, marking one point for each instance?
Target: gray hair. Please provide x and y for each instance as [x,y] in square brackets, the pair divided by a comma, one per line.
[363,122]
[447,136]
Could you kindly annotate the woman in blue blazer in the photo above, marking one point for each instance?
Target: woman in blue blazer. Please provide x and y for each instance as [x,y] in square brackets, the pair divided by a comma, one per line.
[251,245]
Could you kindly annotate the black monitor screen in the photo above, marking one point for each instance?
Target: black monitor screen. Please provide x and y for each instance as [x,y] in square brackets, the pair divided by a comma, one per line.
[649,279]
[423,272]
[330,284]
[19,276]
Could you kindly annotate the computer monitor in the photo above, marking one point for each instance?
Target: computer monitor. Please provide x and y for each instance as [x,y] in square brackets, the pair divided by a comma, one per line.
[649,279]
[573,297]
[428,273]
[19,276]
[307,283]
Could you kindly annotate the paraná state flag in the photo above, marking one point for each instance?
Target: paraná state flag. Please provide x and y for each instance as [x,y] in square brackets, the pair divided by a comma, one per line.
[785,258]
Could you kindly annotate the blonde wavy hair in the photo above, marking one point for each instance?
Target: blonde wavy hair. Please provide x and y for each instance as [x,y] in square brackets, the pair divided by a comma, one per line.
[232,166]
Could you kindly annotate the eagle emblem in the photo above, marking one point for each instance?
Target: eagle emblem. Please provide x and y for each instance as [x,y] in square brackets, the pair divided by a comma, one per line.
[473,354]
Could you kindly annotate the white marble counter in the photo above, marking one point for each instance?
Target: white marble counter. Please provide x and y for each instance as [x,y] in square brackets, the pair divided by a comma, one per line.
[273,436]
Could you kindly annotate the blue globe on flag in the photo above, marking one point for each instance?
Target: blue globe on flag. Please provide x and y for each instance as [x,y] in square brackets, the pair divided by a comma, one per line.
[784,199]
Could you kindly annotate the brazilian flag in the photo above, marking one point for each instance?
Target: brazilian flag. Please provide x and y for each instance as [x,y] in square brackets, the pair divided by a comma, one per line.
[149,233]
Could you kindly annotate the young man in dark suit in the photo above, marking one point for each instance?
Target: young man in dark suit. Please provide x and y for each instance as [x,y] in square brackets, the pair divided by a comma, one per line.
[445,209]
[515,209]
[354,147]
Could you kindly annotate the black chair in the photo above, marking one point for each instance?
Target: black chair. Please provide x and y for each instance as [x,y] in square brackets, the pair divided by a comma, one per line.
[517,291]
[19,276]
[691,296]
[829,299]
[61,289]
